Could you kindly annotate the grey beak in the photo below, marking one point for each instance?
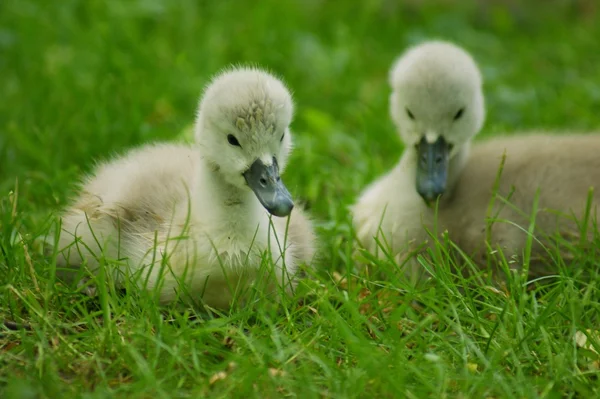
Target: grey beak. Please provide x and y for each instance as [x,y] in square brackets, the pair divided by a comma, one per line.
[432,168]
[268,188]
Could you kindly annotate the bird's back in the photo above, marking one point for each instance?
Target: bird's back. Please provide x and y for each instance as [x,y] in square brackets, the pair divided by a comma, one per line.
[124,202]
[145,184]
[563,169]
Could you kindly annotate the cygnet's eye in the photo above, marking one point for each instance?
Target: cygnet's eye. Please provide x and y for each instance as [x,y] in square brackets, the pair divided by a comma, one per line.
[410,114]
[459,114]
[282,136]
[233,141]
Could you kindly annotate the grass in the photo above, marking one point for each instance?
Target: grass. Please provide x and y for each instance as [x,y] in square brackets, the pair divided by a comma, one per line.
[80,80]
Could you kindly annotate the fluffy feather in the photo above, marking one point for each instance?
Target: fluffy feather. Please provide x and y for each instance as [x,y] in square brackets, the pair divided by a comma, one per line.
[433,81]
[173,213]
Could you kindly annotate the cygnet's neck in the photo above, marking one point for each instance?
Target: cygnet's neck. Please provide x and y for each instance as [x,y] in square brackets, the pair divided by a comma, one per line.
[217,200]
[457,165]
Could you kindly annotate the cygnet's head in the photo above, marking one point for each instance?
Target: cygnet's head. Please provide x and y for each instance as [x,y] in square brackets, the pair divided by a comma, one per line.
[242,130]
[437,106]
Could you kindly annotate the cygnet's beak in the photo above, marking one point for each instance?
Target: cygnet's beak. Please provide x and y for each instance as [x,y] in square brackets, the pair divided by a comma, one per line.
[432,168]
[268,188]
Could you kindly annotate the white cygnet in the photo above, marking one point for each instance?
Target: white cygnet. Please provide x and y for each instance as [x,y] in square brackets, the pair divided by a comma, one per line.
[444,183]
[196,220]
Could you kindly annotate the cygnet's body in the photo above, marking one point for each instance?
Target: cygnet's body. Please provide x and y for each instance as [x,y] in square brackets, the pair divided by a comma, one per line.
[197,215]
[550,172]
[438,107]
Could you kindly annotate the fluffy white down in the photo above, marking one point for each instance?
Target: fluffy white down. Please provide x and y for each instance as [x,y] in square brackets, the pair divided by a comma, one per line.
[431,84]
[556,171]
[171,212]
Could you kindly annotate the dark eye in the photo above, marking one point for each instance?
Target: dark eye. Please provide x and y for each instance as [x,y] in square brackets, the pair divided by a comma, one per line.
[232,140]
[282,136]
[459,114]
[410,114]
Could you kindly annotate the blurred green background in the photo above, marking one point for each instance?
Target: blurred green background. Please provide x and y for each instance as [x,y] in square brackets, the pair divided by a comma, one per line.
[82,79]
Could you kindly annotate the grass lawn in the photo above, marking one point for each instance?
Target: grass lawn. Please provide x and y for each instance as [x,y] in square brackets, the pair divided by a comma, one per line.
[80,80]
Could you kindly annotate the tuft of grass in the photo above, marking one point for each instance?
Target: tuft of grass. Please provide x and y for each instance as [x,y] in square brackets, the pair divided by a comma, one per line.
[83,79]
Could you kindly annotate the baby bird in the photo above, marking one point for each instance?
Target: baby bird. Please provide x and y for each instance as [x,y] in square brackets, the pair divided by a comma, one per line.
[196,219]
[437,105]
